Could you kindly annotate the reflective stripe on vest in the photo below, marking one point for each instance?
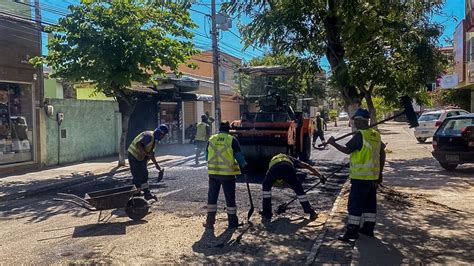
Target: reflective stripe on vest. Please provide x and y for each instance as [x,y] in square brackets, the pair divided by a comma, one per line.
[133,148]
[220,155]
[201,131]
[279,158]
[365,163]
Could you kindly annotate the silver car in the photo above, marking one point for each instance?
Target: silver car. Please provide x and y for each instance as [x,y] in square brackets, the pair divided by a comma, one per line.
[430,121]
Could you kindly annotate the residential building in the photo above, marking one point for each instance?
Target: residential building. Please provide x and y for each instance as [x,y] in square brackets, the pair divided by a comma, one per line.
[230,103]
[464,51]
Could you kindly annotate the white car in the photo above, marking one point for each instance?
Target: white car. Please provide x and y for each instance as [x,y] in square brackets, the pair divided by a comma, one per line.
[430,121]
[343,116]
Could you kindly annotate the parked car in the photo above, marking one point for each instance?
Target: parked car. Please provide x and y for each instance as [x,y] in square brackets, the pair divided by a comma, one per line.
[429,121]
[453,141]
[343,116]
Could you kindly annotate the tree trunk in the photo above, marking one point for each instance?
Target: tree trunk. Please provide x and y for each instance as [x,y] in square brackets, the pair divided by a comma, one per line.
[335,54]
[371,107]
[126,109]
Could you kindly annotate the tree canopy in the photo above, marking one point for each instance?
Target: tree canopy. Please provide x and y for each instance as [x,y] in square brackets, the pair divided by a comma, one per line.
[389,44]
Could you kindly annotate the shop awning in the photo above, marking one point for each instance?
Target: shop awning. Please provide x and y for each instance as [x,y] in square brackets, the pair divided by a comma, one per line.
[193,97]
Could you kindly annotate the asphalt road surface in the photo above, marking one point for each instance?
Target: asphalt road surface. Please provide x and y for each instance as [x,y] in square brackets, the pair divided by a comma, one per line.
[41,231]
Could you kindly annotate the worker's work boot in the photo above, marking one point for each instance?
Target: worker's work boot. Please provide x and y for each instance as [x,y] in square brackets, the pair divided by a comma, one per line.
[368,229]
[148,195]
[210,220]
[309,210]
[233,221]
[313,215]
[351,234]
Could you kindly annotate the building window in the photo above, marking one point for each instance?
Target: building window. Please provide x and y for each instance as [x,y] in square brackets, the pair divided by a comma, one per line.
[222,75]
[16,123]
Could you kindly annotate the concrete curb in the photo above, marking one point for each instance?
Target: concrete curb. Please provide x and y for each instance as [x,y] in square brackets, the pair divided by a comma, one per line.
[319,240]
[84,177]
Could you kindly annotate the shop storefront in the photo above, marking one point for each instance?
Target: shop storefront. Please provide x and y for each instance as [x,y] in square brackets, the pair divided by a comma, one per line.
[17,123]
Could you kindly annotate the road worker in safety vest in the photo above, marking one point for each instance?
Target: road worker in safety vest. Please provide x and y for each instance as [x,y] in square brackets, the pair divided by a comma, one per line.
[203,132]
[140,151]
[282,169]
[224,162]
[366,165]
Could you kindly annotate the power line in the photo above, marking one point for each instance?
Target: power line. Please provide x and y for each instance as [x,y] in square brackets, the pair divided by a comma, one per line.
[26,19]
[240,38]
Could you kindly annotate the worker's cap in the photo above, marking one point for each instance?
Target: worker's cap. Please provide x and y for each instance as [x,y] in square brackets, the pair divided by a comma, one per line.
[161,131]
[204,117]
[318,114]
[225,125]
[361,113]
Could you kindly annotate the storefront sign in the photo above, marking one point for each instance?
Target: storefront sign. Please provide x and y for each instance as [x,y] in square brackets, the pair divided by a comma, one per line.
[449,81]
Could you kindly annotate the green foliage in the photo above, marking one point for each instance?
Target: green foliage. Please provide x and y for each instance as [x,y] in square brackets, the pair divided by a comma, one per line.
[453,97]
[385,44]
[115,43]
[333,114]
[381,106]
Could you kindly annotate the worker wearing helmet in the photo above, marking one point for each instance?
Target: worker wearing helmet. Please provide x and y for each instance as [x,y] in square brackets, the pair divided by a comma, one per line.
[140,151]
[321,125]
[225,161]
[366,165]
[282,169]
[203,132]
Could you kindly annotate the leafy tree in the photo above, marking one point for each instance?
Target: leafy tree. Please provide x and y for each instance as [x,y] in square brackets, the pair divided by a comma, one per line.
[116,43]
[452,97]
[368,44]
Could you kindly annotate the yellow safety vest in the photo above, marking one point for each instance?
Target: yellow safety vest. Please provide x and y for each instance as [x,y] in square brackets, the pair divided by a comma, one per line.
[365,163]
[201,131]
[133,148]
[279,158]
[220,156]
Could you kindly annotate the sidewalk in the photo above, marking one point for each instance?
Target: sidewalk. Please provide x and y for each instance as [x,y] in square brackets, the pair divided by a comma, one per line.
[27,184]
[425,214]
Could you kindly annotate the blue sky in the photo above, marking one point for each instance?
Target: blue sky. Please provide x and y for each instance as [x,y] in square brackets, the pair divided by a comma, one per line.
[53,9]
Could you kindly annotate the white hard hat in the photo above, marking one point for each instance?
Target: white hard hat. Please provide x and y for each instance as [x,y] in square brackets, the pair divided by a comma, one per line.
[318,113]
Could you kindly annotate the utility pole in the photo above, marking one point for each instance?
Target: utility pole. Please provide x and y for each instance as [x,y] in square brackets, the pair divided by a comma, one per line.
[215,52]
[40,48]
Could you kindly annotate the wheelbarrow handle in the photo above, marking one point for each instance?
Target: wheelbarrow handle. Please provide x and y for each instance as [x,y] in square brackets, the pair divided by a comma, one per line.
[90,208]
[82,202]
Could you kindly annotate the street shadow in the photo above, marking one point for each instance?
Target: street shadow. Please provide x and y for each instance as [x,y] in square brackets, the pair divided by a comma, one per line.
[286,243]
[373,251]
[42,207]
[106,229]
[209,244]
[290,226]
[446,235]
[426,174]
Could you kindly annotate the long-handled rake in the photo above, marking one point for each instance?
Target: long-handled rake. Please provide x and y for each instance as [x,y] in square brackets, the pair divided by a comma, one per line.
[408,111]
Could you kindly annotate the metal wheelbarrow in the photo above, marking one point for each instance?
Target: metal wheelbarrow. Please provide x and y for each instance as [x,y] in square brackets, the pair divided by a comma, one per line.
[135,206]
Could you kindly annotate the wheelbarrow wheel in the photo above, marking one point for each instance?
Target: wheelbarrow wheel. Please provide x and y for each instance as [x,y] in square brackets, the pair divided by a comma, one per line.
[137,208]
